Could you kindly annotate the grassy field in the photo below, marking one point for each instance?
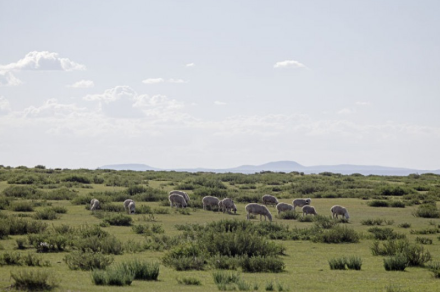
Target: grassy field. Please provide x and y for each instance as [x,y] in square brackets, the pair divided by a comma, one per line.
[306,262]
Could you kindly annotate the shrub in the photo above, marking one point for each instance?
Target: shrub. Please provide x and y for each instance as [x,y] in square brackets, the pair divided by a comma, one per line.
[415,254]
[118,220]
[59,209]
[398,262]
[385,233]
[141,229]
[306,219]
[22,206]
[10,259]
[397,204]
[288,215]
[260,264]
[116,276]
[434,268]
[325,222]
[78,260]
[423,240]
[405,225]
[189,281]
[378,203]
[33,261]
[352,263]
[427,211]
[142,270]
[113,208]
[20,243]
[61,194]
[33,280]
[46,214]
[27,192]
[372,222]
[338,234]
[106,245]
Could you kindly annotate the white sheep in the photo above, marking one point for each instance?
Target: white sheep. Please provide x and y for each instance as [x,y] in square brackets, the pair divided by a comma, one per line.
[257,209]
[339,210]
[301,202]
[228,205]
[309,210]
[270,200]
[177,200]
[183,194]
[282,207]
[210,201]
[129,206]
[94,205]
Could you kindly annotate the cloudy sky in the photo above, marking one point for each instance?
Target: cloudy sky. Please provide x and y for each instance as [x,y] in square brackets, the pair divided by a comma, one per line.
[218,84]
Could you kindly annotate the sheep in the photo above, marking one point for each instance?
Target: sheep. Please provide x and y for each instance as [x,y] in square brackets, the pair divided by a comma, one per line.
[301,202]
[94,205]
[210,201]
[282,207]
[183,194]
[129,206]
[228,205]
[270,200]
[339,210]
[309,210]
[177,200]
[257,209]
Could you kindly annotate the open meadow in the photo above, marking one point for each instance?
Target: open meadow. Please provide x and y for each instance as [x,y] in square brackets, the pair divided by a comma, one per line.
[51,240]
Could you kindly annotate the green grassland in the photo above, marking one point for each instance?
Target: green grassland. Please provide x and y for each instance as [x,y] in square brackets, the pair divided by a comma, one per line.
[306,260]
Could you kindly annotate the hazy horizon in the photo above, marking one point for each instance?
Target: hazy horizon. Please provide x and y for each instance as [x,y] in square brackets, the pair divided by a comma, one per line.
[219,84]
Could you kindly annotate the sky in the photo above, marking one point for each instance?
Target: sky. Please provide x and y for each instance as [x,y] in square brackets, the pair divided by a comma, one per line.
[218,84]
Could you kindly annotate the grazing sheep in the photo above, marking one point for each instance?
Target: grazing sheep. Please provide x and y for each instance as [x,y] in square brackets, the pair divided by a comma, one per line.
[301,202]
[183,194]
[257,209]
[228,205]
[177,200]
[282,207]
[94,205]
[309,210]
[210,201]
[339,210]
[270,200]
[129,206]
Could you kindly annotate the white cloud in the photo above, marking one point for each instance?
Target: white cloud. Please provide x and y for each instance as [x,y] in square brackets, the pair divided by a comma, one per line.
[289,64]
[82,84]
[176,81]
[190,65]
[346,111]
[362,103]
[5,107]
[44,61]
[219,102]
[161,80]
[8,79]
[153,80]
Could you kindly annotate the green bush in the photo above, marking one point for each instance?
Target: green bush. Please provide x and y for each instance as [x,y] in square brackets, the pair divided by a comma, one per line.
[189,281]
[427,211]
[288,215]
[378,203]
[261,264]
[397,204]
[78,260]
[24,192]
[62,193]
[10,259]
[22,206]
[405,225]
[46,214]
[434,268]
[118,220]
[32,260]
[372,222]
[142,270]
[397,262]
[337,234]
[385,233]
[116,276]
[415,255]
[352,263]
[33,280]
[423,240]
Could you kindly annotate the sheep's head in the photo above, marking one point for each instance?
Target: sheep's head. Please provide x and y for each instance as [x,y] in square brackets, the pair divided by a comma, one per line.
[346,215]
[308,201]
[269,216]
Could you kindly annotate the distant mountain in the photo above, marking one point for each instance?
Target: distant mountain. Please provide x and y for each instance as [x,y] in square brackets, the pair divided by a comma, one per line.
[287,166]
[135,167]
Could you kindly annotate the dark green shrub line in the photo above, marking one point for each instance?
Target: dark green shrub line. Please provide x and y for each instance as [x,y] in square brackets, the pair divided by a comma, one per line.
[415,254]
[78,260]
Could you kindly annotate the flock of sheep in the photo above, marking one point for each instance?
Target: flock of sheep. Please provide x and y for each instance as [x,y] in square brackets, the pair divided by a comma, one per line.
[181,199]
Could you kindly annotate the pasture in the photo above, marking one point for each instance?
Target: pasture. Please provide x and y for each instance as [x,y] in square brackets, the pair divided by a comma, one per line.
[191,246]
